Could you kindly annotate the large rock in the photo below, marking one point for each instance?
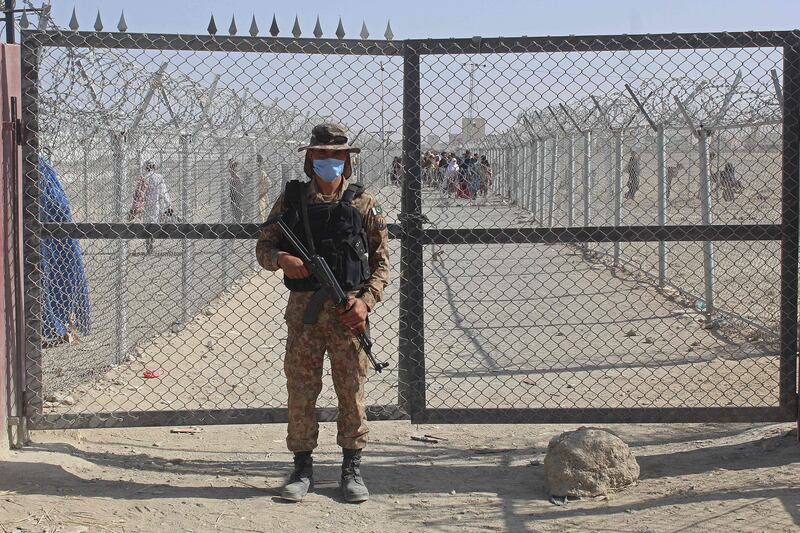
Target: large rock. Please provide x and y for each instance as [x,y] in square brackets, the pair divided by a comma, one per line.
[588,462]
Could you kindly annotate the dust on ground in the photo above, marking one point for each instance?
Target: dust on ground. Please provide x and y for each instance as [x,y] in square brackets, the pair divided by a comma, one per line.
[695,477]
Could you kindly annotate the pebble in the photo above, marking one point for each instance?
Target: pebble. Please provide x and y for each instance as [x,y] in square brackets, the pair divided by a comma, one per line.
[176,328]
[209,344]
[56,397]
[648,340]
[630,333]
[69,400]
[452,493]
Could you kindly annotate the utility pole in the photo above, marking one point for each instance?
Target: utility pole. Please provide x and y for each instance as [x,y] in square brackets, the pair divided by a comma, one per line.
[472,68]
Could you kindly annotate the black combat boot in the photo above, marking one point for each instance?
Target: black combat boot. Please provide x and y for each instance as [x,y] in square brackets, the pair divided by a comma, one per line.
[353,488]
[301,480]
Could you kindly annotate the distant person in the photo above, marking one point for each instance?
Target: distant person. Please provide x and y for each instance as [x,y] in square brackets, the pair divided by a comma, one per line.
[725,179]
[264,185]
[672,173]
[151,200]
[236,190]
[634,170]
[397,170]
[485,176]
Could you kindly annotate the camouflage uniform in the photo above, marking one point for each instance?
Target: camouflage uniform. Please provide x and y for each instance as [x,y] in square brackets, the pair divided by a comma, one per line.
[306,344]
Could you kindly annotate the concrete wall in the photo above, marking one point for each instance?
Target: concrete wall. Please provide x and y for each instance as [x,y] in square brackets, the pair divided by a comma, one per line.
[9,86]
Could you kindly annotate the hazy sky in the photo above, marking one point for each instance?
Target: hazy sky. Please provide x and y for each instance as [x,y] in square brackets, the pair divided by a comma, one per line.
[445,18]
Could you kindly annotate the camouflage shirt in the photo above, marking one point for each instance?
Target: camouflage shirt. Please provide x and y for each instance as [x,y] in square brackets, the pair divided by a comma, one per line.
[267,250]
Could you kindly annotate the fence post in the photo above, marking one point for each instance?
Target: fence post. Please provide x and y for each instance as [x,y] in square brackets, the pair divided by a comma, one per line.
[552,190]
[542,163]
[186,246]
[523,178]
[662,204]
[121,253]
[587,177]
[705,196]
[790,198]
[86,146]
[535,180]
[515,173]
[617,189]
[571,183]
[411,364]
[507,180]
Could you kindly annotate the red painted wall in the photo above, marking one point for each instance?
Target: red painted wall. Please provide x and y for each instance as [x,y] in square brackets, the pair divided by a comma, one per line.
[9,86]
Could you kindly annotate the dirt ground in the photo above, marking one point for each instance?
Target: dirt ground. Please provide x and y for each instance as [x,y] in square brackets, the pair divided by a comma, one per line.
[476,478]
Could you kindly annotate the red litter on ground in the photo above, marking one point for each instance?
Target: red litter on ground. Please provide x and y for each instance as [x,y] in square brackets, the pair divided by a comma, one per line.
[150,374]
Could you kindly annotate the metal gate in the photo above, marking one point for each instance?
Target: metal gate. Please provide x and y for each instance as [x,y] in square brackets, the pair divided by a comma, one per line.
[627,252]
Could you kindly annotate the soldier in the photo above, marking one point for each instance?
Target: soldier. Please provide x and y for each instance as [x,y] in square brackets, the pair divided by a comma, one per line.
[346,226]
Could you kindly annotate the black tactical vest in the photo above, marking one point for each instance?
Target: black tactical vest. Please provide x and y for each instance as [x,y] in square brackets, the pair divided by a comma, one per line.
[338,234]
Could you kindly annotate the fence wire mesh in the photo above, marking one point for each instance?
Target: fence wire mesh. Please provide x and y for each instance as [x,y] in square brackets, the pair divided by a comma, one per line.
[217,133]
[613,246]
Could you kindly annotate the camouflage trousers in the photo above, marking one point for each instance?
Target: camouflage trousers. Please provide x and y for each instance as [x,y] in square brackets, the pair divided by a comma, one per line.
[305,350]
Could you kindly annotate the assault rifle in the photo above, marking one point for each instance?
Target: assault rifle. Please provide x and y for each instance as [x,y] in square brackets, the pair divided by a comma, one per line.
[319,268]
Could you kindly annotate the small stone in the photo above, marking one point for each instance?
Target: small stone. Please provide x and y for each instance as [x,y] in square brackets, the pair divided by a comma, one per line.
[177,461]
[68,400]
[452,493]
[209,311]
[56,397]
[156,445]
[176,328]
[51,404]
[209,344]
[631,333]
[648,340]
[690,349]
[536,462]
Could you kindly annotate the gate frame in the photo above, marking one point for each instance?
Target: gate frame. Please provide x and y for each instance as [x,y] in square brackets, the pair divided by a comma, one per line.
[411,354]
[786,232]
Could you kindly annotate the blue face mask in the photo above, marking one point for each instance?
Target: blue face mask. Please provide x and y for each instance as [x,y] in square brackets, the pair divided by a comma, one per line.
[328,169]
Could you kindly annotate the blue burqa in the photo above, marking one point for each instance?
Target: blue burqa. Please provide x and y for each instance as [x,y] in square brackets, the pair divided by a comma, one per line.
[65,289]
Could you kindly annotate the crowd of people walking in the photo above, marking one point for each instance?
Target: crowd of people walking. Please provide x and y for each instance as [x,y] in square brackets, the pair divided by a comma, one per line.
[468,176]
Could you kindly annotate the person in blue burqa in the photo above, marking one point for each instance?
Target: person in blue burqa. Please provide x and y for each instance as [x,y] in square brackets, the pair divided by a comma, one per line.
[65,290]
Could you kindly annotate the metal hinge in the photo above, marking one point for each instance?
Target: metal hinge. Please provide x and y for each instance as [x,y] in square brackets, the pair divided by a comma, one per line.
[18,131]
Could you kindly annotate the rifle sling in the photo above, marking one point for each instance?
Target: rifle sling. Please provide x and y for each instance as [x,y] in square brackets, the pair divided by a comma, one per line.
[306,223]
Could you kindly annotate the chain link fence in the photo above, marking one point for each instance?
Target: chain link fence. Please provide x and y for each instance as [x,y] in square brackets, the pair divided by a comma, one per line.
[626,251]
